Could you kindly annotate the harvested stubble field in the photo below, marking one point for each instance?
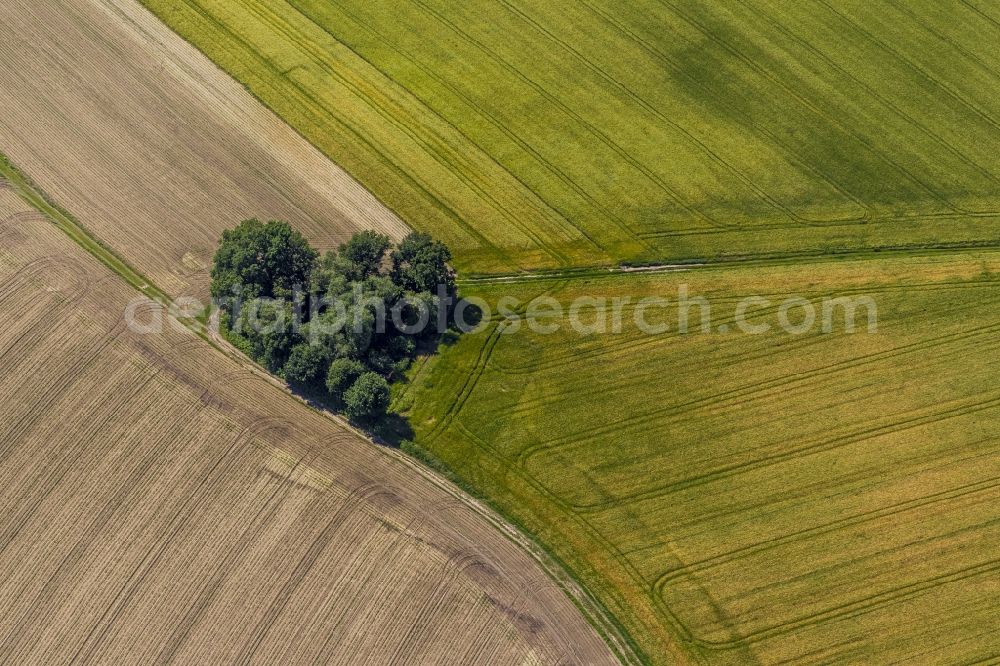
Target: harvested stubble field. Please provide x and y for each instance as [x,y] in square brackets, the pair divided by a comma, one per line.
[582,132]
[729,498]
[161,503]
[732,498]
[153,148]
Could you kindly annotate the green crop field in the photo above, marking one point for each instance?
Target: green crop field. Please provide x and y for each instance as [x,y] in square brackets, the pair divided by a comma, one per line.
[736,498]
[580,132]
[729,498]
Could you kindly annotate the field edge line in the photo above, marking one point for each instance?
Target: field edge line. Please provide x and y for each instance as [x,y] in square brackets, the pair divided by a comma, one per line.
[605,625]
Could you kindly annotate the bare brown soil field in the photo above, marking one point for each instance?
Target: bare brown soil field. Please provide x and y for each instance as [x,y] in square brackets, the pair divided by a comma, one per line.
[162,503]
[152,147]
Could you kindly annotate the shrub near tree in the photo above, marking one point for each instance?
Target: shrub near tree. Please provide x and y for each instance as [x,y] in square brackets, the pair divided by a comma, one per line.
[368,398]
[324,323]
[341,375]
[420,264]
[307,365]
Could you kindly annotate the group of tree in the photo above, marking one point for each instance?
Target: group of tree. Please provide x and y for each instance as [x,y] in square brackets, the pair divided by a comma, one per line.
[341,325]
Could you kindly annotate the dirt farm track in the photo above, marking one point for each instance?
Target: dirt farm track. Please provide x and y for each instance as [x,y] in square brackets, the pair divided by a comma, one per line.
[160,501]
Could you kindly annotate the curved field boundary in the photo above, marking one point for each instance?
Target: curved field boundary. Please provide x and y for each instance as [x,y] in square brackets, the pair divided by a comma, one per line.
[697,620]
[192,347]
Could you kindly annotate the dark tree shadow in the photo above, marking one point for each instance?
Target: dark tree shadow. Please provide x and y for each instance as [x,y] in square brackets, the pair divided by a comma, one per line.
[470,314]
[387,431]
[391,431]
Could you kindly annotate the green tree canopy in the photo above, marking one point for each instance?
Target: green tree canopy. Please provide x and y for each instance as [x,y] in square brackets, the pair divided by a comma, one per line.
[343,372]
[420,264]
[359,319]
[264,260]
[368,398]
[361,257]
[266,332]
[307,365]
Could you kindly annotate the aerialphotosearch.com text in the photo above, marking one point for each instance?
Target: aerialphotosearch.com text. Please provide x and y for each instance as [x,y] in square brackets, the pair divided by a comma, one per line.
[682,313]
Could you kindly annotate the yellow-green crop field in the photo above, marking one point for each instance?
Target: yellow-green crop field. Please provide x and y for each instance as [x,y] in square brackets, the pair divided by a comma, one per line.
[534,134]
[735,498]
